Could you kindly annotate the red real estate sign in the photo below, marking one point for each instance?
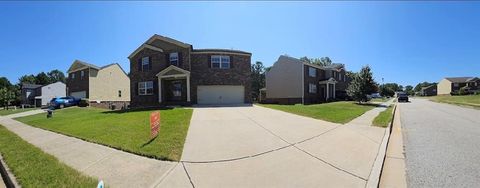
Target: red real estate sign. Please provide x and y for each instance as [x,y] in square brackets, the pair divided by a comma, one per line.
[154,124]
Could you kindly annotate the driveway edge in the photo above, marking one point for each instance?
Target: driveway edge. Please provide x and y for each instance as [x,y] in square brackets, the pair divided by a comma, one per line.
[376,172]
[7,175]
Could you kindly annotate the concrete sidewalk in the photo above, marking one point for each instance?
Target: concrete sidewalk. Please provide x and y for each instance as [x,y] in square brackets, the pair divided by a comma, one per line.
[116,168]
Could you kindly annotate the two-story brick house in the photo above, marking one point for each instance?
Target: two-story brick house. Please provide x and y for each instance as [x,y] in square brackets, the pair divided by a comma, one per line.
[291,81]
[164,71]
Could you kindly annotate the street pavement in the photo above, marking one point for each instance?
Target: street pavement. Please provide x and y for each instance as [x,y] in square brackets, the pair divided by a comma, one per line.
[441,144]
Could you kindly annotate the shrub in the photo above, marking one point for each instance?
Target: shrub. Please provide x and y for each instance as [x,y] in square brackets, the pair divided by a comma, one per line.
[83,103]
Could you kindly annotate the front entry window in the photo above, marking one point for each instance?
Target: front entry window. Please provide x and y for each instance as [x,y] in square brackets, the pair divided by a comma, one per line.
[177,89]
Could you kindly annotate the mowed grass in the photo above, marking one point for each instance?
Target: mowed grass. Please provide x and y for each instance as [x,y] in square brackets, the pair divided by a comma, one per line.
[34,168]
[384,118]
[128,131]
[5,112]
[469,100]
[337,112]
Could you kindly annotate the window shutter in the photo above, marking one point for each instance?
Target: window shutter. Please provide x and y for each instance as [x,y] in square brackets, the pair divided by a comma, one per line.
[231,62]
[150,63]
[136,88]
[180,59]
[140,64]
[209,62]
[167,59]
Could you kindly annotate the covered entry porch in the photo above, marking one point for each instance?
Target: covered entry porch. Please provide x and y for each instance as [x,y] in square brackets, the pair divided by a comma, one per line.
[174,86]
[328,88]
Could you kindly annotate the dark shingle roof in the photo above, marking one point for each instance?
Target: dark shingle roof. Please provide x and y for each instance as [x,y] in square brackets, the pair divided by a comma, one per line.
[221,50]
[30,86]
[458,79]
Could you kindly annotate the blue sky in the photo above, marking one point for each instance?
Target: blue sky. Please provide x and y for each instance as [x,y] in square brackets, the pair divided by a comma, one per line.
[403,42]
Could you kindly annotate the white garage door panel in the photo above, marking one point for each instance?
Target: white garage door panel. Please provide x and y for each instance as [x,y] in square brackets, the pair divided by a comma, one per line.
[79,94]
[220,94]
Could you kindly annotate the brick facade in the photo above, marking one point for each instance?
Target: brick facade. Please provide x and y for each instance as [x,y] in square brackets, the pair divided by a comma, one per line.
[197,62]
[78,83]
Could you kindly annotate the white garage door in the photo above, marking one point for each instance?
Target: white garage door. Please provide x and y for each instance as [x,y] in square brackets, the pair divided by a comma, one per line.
[79,94]
[220,94]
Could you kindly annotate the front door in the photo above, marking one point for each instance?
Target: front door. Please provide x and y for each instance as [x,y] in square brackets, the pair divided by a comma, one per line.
[175,91]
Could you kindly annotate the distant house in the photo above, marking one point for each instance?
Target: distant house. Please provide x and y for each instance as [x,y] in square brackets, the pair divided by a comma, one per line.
[291,81]
[28,93]
[453,84]
[38,95]
[430,90]
[101,86]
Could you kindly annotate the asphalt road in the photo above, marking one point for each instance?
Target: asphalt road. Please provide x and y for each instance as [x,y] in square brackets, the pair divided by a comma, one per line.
[442,144]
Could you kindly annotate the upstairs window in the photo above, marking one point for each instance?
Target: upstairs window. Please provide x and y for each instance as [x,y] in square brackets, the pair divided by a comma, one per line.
[145,88]
[82,74]
[220,61]
[312,88]
[312,72]
[72,75]
[174,58]
[145,63]
[120,93]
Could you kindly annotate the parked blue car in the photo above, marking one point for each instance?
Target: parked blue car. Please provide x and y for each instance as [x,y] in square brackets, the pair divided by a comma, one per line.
[62,102]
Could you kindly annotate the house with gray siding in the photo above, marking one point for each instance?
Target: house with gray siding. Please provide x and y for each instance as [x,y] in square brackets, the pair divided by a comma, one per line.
[48,92]
[291,81]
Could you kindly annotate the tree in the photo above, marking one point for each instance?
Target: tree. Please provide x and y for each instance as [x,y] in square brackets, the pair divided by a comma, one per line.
[42,79]
[409,90]
[27,79]
[258,78]
[6,96]
[56,76]
[324,61]
[362,85]
[5,83]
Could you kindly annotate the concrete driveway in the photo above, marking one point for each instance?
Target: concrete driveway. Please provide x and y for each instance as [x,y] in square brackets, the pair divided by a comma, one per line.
[260,147]
[441,144]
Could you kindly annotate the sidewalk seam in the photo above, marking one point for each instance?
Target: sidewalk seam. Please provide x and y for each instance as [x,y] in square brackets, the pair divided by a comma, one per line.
[188,175]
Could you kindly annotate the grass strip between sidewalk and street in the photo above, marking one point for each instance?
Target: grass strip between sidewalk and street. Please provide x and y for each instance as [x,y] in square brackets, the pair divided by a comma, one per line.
[5,112]
[466,100]
[34,168]
[384,118]
[125,130]
[336,112]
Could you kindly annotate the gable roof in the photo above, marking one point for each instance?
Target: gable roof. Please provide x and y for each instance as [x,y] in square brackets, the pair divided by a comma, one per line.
[427,87]
[113,64]
[459,79]
[74,67]
[222,51]
[148,44]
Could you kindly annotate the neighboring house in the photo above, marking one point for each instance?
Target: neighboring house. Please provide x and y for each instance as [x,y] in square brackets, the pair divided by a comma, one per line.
[101,86]
[453,84]
[48,92]
[291,81]
[164,71]
[29,91]
[430,90]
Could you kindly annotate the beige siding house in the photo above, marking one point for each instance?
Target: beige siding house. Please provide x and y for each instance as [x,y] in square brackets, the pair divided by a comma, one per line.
[453,84]
[102,86]
[276,82]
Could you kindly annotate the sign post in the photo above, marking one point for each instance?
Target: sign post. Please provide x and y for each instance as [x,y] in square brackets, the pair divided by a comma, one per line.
[154,124]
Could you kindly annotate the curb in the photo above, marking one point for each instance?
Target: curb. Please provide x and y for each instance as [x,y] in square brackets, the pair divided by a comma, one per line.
[374,178]
[7,175]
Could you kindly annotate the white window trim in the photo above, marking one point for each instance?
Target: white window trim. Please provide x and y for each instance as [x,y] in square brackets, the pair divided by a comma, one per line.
[145,87]
[82,74]
[73,75]
[145,61]
[173,54]
[312,88]
[220,66]
[310,72]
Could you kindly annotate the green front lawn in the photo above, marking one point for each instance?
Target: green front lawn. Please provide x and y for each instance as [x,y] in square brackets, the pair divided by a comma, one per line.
[5,112]
[469,100]
[384,118]
[383,99]
[337,112]
[129,131]
[34,168]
